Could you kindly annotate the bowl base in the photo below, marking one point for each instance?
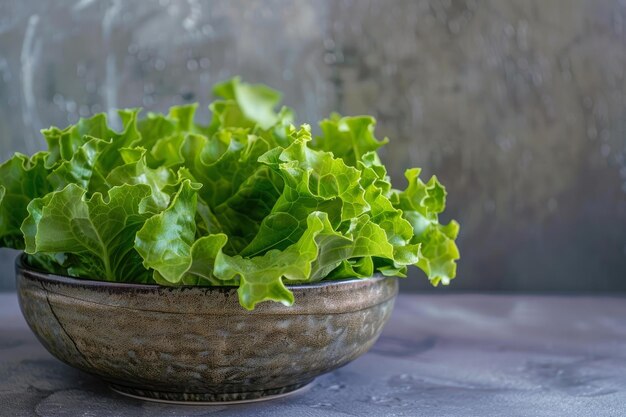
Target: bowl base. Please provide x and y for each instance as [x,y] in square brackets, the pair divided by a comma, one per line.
[192,398]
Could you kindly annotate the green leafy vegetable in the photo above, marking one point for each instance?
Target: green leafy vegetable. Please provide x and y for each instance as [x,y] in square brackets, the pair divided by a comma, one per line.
[249,200]
[21,180]
[99,233]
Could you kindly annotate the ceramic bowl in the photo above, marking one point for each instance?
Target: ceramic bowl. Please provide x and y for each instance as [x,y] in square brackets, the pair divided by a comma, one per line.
[197,344]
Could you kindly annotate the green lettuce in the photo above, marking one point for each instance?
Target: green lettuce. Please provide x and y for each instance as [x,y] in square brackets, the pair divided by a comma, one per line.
[249,200]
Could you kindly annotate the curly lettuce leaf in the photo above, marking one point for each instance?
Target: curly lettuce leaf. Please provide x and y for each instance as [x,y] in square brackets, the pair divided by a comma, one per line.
[421,205]
[398,230]
[313,181]
[348,138]
[261,277]
[135,170]
[91,162]
[318,251]
[63,144]
[255,102]
[237,189]
[99,231]
[167,243]
[21,180]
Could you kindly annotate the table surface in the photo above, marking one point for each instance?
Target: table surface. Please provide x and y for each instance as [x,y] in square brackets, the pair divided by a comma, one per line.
[440,355]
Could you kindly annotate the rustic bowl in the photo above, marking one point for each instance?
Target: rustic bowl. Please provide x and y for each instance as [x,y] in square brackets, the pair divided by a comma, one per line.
[197,344]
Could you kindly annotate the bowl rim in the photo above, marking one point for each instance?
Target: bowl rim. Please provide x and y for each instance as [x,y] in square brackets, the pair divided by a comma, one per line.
[22,265]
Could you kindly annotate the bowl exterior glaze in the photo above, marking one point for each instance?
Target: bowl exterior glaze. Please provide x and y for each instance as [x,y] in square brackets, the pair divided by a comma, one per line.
[198,343]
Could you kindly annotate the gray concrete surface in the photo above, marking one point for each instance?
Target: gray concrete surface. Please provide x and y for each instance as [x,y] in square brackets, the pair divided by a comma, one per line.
[455,355]
[519,106]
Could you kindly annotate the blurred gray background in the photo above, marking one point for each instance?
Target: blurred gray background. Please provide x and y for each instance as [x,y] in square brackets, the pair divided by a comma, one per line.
[518,106]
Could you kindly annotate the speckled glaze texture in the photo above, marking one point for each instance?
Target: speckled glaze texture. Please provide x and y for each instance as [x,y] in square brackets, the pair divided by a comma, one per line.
[199,344]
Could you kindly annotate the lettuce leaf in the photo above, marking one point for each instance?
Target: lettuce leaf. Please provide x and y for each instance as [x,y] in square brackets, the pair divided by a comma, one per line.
[21,180]
[99,231]
[97,156]
[349,138]
[421,204]
[250,201]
